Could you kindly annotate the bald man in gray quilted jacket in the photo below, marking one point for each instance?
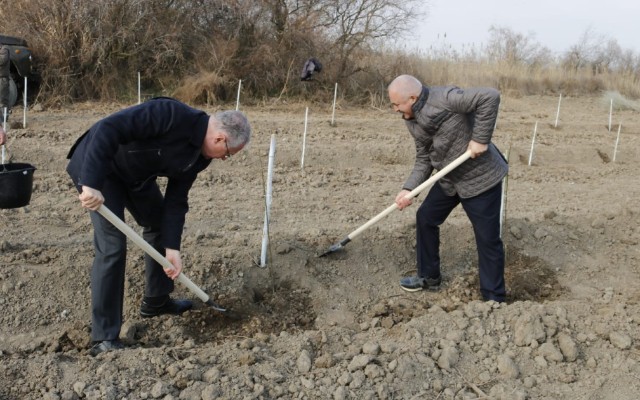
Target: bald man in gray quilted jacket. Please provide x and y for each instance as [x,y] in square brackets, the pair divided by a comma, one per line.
[445,122]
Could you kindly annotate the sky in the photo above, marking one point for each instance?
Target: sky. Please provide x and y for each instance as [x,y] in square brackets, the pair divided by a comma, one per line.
[555,24]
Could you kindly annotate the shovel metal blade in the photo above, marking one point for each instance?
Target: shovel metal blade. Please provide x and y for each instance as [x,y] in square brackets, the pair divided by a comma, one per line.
[224,311]
[338,246]
[216,306]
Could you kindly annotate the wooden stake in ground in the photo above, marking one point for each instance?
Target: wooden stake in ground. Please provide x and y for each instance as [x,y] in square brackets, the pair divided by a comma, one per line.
[333,113]
[615,148]
[304,137]
[238,96]
[558,113]
[267,210]
[533,142]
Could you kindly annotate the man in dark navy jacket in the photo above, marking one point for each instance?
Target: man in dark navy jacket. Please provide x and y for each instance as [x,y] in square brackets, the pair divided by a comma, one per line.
[116,162]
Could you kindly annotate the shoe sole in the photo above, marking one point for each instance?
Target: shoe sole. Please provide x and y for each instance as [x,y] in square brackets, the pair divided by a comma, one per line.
[148,315]
[411,289]
[144,315]
[93,352]
[96,353]
[428,288]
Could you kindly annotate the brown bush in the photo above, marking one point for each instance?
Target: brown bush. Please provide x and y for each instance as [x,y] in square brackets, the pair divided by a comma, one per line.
[203,87]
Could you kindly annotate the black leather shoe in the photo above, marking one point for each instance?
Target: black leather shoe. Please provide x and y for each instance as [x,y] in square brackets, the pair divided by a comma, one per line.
[105,345]
[170,306]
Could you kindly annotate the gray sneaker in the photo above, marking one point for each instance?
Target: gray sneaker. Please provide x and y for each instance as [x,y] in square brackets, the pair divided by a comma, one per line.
[416,283]
[105,345]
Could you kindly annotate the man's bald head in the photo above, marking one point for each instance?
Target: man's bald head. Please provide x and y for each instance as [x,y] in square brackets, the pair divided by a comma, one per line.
[406,86]
[404,91]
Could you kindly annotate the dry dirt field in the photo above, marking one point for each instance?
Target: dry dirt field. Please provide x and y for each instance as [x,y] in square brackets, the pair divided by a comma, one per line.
[339,327]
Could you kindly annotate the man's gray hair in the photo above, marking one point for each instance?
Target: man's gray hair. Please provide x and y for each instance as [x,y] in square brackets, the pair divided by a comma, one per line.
[236,125]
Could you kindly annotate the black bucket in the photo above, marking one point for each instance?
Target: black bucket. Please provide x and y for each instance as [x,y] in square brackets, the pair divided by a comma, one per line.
[16,184]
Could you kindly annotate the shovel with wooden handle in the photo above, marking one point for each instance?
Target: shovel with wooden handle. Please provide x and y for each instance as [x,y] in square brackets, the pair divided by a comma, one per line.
[166,264]
[428,183]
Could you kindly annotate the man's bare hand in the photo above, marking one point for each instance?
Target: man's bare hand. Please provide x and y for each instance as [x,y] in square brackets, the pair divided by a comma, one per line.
[401,201]
[174,258]
[91,198]
[477,148]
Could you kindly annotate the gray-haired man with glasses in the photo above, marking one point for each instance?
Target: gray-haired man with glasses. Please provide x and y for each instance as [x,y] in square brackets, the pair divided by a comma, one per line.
[116,162]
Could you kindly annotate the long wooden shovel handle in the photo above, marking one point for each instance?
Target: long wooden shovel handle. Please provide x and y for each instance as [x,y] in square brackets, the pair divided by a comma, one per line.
[138,240]
[429,182]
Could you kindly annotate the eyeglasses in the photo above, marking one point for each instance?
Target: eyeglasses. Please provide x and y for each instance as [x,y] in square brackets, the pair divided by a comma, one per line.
[228,155]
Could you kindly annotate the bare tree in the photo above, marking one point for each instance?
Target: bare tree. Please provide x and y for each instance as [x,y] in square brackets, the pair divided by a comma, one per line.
[629,63]
[356,25]
[584,52]
[506,45]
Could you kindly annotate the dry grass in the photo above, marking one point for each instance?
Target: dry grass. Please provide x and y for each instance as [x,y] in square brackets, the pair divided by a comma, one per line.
[204,87]
[522,80]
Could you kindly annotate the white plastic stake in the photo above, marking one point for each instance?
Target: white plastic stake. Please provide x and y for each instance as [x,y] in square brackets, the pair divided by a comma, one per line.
[267,211]
[533,141]
[238,96]
[558,113]
[24,98]
[615,148]
[333,113]
[304,137]
[610,113]
[139,96]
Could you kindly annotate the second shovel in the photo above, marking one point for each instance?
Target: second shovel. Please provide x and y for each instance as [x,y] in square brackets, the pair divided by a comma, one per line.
[147,248]
[428,183]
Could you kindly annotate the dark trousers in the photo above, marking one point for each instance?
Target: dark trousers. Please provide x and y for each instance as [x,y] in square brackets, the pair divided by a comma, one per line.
[483,211]
[110,245]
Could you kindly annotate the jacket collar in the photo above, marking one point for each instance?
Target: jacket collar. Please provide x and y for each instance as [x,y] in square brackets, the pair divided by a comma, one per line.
[422,100]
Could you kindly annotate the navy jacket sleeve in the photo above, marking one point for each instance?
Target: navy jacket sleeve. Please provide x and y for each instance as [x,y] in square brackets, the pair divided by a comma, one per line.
[172,130]
[151,119]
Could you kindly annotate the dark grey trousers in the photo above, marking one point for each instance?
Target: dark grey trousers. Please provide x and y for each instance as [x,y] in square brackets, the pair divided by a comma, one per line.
[483,211]
[110,245]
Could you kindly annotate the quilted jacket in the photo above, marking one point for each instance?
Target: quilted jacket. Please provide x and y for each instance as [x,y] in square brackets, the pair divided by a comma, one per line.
[445,120]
